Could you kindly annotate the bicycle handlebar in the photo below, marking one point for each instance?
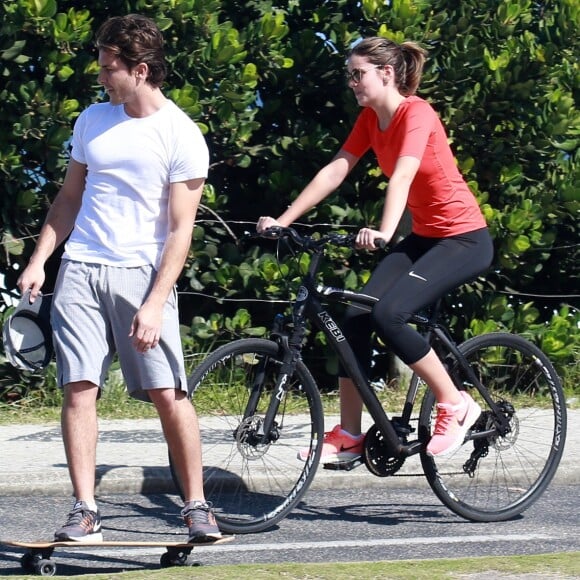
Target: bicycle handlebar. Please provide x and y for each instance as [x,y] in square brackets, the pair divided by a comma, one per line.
[308,242]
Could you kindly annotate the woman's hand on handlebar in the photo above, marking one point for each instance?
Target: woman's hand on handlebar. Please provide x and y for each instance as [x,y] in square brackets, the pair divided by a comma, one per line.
[370,239]
[266,222]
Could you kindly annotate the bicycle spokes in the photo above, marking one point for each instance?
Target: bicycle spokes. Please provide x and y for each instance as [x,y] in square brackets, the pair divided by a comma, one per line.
[513,450]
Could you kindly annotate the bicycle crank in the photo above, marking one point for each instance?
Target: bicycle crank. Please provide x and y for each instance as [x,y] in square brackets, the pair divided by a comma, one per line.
[377,457]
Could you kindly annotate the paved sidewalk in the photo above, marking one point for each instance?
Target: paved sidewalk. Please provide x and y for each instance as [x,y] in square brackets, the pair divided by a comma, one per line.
[132,458]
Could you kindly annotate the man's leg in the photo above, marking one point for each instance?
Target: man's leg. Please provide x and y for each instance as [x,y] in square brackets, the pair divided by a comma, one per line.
[80,432]
[181,431]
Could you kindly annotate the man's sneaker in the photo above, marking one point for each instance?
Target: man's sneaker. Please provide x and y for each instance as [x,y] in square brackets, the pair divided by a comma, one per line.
[198,517]
[83,525]
[337,446]
[451,426]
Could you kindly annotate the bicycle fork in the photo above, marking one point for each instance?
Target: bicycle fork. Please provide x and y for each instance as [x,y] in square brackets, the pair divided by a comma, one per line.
[268,430]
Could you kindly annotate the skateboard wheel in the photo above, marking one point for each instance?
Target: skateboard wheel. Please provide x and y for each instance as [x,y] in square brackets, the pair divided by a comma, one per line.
[45,568]
[169,560]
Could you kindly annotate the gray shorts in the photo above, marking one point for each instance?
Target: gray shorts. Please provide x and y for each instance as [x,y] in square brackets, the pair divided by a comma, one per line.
[92,310]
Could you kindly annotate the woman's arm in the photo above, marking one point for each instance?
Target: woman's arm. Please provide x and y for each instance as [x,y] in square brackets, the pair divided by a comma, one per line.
[395,203]
[324,183]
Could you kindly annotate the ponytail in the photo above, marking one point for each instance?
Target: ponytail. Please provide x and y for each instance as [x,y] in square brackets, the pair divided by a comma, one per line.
[407,60]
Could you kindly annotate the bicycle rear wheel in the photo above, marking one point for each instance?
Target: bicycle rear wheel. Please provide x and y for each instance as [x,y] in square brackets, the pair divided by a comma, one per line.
[497,477]
[252,483]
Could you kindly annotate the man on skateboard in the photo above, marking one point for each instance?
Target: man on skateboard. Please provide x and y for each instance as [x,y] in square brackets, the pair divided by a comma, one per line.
[128,201]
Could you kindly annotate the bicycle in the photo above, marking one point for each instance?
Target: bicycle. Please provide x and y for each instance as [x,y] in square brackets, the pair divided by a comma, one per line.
[260,404]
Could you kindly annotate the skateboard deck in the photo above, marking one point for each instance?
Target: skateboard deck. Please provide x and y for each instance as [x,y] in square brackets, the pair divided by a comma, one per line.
[37,560]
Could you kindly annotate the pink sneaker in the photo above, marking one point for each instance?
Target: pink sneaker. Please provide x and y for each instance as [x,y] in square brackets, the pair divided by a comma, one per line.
[451,426]
[337,446]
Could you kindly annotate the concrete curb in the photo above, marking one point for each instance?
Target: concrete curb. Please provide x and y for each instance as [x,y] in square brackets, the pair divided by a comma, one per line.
[132,458]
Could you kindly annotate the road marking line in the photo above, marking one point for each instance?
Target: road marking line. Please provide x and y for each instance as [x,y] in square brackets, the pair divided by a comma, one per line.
[280,546]
[376,542]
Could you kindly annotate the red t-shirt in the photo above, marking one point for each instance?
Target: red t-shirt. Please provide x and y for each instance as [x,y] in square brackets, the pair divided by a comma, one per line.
[440,202]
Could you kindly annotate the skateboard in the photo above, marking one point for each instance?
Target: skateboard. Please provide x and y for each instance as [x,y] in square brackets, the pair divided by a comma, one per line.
[36,559]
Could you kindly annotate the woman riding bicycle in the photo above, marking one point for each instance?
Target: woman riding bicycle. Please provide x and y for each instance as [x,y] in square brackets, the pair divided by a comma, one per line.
[449,244]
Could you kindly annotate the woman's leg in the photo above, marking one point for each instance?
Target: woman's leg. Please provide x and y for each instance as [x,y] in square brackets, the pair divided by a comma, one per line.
[351,406]
[449,263]
[432,371]
[444,265]
[358,328]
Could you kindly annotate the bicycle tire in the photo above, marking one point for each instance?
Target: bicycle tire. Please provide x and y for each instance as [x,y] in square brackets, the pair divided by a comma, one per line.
[512,471]
[253,486]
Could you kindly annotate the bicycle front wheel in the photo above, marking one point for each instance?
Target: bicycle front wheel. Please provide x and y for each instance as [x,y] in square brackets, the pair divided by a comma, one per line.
[255,482]
[496,477]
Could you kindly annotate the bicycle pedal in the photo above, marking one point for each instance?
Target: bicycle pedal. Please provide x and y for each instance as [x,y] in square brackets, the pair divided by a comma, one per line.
[347,465]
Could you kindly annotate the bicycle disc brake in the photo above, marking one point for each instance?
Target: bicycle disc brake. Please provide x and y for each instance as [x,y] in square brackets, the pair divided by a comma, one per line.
[249,441]
[377,457]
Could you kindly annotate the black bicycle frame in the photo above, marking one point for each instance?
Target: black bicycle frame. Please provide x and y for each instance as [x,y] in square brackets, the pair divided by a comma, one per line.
[308,305]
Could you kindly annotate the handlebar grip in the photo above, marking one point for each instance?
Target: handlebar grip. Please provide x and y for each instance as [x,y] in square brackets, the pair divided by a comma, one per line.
[272,232]
[381,244]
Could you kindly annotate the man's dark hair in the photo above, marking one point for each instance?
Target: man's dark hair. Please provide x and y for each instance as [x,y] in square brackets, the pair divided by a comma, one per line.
[135,39]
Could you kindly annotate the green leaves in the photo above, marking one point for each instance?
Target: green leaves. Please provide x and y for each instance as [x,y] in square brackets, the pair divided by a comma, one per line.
[225,46]
[12,245]
[558,336]
[187,98]
[265,85]
[72,27]
[14,53]
[496,63]
[41,8]
[273,25]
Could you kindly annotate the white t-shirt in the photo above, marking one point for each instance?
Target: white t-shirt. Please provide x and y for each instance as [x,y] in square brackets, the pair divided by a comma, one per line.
[130,163]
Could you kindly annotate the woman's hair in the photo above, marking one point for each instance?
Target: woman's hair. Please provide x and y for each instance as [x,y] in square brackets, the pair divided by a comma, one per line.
[135,39]
[407,60]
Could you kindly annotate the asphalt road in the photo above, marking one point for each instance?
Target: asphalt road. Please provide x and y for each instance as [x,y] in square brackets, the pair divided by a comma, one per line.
[329,526]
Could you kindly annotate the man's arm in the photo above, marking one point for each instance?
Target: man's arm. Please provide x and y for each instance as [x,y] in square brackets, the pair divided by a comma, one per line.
[184,199]
[57,226]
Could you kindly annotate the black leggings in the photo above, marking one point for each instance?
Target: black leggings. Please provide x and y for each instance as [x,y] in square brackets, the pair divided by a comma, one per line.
[414,275]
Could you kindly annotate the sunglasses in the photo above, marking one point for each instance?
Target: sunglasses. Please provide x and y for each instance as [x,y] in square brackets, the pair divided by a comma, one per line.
[356,74]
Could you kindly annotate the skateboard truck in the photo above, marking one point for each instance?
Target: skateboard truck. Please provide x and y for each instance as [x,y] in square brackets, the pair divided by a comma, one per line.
[37,560]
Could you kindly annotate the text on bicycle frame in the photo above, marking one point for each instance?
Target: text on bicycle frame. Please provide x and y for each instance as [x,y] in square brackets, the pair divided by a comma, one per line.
[331,326]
